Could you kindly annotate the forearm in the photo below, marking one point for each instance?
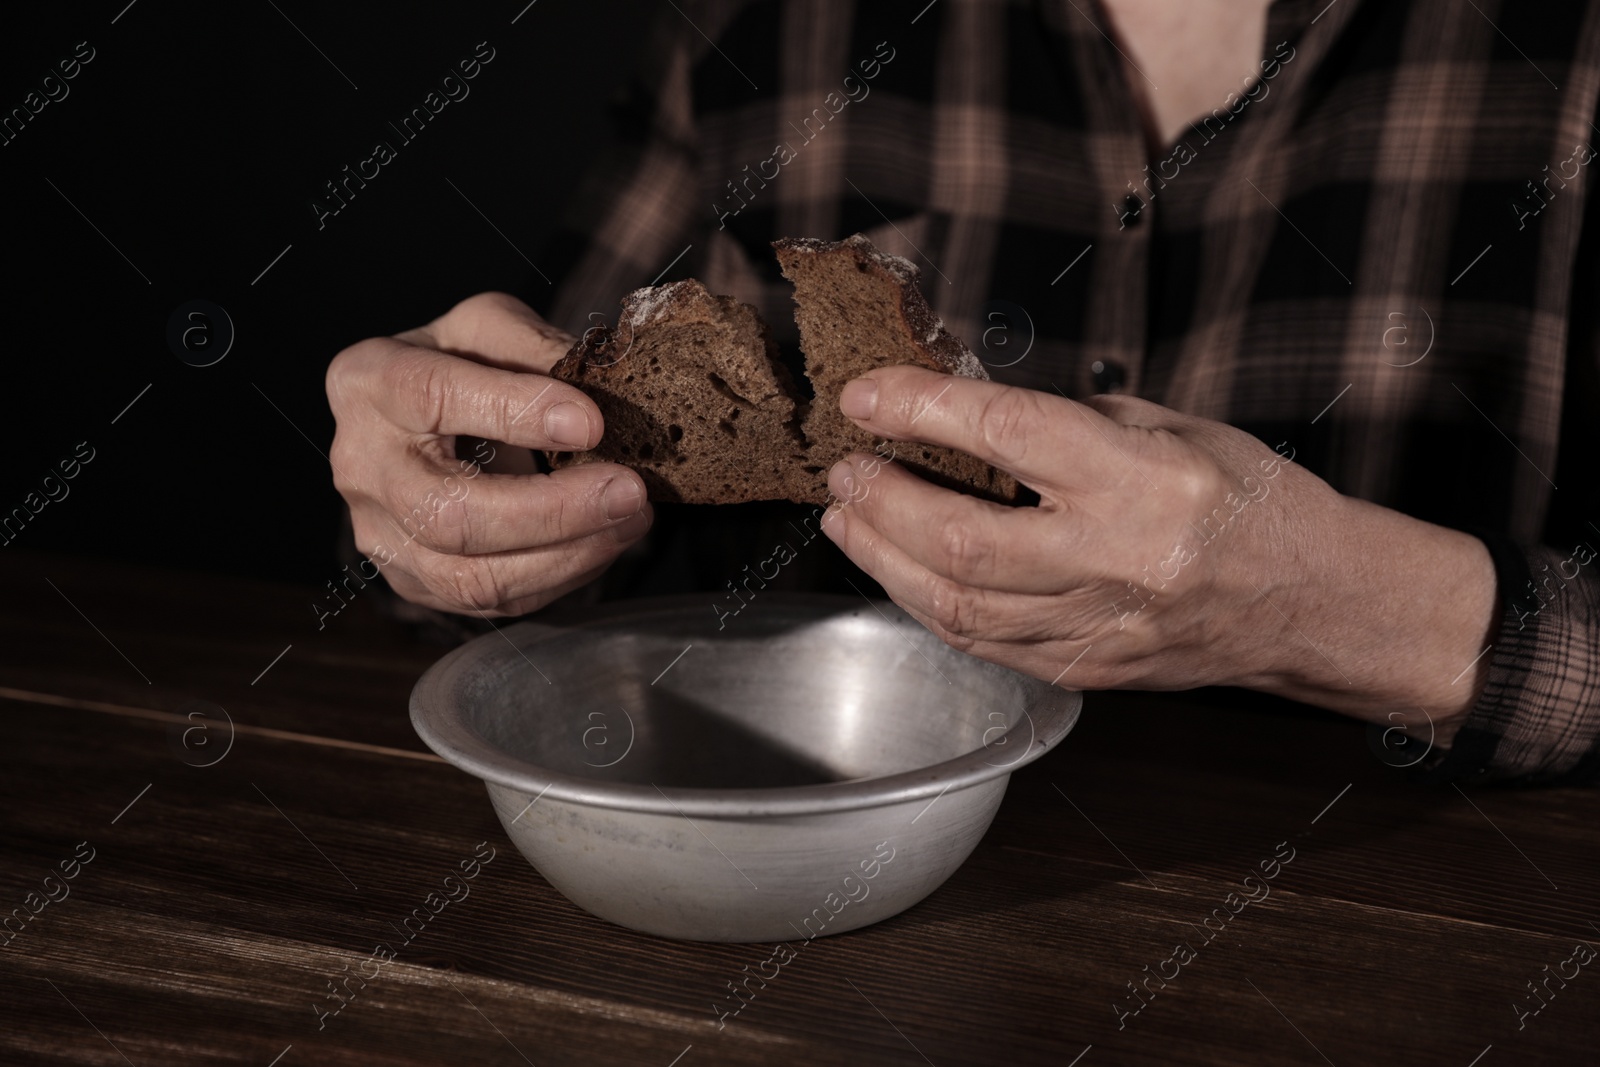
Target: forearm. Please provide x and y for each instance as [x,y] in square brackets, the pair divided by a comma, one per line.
[1380,616]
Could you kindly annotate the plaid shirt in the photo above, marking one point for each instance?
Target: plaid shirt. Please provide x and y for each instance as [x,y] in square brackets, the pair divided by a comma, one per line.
[1377,251]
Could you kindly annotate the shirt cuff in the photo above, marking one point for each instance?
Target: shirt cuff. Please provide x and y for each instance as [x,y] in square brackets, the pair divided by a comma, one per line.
[1537,721]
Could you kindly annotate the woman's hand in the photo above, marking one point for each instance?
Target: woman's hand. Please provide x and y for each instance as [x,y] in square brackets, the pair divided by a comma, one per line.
[443,531]
[1167,552]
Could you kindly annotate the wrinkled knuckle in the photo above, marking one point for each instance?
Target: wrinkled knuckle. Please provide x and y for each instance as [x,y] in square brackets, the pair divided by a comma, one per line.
[952,607]
[561,513]
[551,509]
[338,378]
[968,554]
[958,641]
[554,510]
[348,375]
[487,303]
[1004,423]
[450,529]
[470,584]
[422,383]
[470,306]
[341,455]
[1200,486]
[464,326]
[412,520]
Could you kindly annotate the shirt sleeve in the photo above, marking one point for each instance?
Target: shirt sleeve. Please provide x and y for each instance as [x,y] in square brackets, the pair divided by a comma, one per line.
[1537,721]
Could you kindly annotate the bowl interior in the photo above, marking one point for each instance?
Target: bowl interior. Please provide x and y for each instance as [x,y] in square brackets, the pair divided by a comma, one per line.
[794,695]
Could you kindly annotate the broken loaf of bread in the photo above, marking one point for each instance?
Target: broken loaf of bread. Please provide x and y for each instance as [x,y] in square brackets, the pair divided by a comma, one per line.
[695,399]
[693,395]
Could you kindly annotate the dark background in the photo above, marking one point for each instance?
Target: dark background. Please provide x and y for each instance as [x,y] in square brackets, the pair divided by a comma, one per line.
[194,142]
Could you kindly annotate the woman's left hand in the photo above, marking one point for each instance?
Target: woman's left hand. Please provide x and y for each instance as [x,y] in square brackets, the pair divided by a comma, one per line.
[1166,552]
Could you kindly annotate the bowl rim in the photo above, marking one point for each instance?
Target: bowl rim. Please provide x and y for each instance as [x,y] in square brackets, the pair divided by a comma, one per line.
[439,720]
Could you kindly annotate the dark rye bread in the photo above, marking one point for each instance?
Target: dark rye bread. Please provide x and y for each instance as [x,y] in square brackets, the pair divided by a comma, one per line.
[858,309]
[695,400]
[693,396]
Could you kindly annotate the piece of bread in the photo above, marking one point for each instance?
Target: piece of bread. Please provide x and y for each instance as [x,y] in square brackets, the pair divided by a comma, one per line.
[859,308]
[693,395]
[697,402]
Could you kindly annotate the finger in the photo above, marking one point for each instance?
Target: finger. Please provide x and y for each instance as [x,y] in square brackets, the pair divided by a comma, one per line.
[1016,630]
[465,513]
[967,540]
[959,614]
[1043,440]
[427,392]
[506,583]
[1062,664]
[496,329]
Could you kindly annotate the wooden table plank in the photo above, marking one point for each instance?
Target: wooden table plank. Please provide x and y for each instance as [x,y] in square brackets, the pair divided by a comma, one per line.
[218,905]
[160,639]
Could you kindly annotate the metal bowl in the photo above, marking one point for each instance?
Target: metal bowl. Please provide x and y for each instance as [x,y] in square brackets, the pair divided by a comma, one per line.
[809,766]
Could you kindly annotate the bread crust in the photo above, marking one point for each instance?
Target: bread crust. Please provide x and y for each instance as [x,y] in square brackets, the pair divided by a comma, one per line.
[788,444]
[693,396]
[860,308]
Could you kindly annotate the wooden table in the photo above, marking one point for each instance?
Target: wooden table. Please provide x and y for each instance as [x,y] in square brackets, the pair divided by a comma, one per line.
[218,901]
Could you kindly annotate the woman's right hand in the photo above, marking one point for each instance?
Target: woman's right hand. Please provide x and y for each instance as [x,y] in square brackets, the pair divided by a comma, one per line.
[445,531]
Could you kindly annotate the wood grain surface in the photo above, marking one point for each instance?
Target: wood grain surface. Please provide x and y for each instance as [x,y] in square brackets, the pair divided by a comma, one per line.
[221,900]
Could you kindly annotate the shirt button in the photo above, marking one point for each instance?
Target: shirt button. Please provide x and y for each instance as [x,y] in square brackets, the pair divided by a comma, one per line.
[1108,377]
[1132,210]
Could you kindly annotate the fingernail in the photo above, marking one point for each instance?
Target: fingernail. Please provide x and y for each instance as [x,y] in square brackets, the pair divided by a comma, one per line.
[622,497]
[841,480]
[566,424]
[859,398]
[631,529]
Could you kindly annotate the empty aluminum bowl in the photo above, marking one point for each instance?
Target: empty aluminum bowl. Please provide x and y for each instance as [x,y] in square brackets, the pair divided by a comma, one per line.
[806,767]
